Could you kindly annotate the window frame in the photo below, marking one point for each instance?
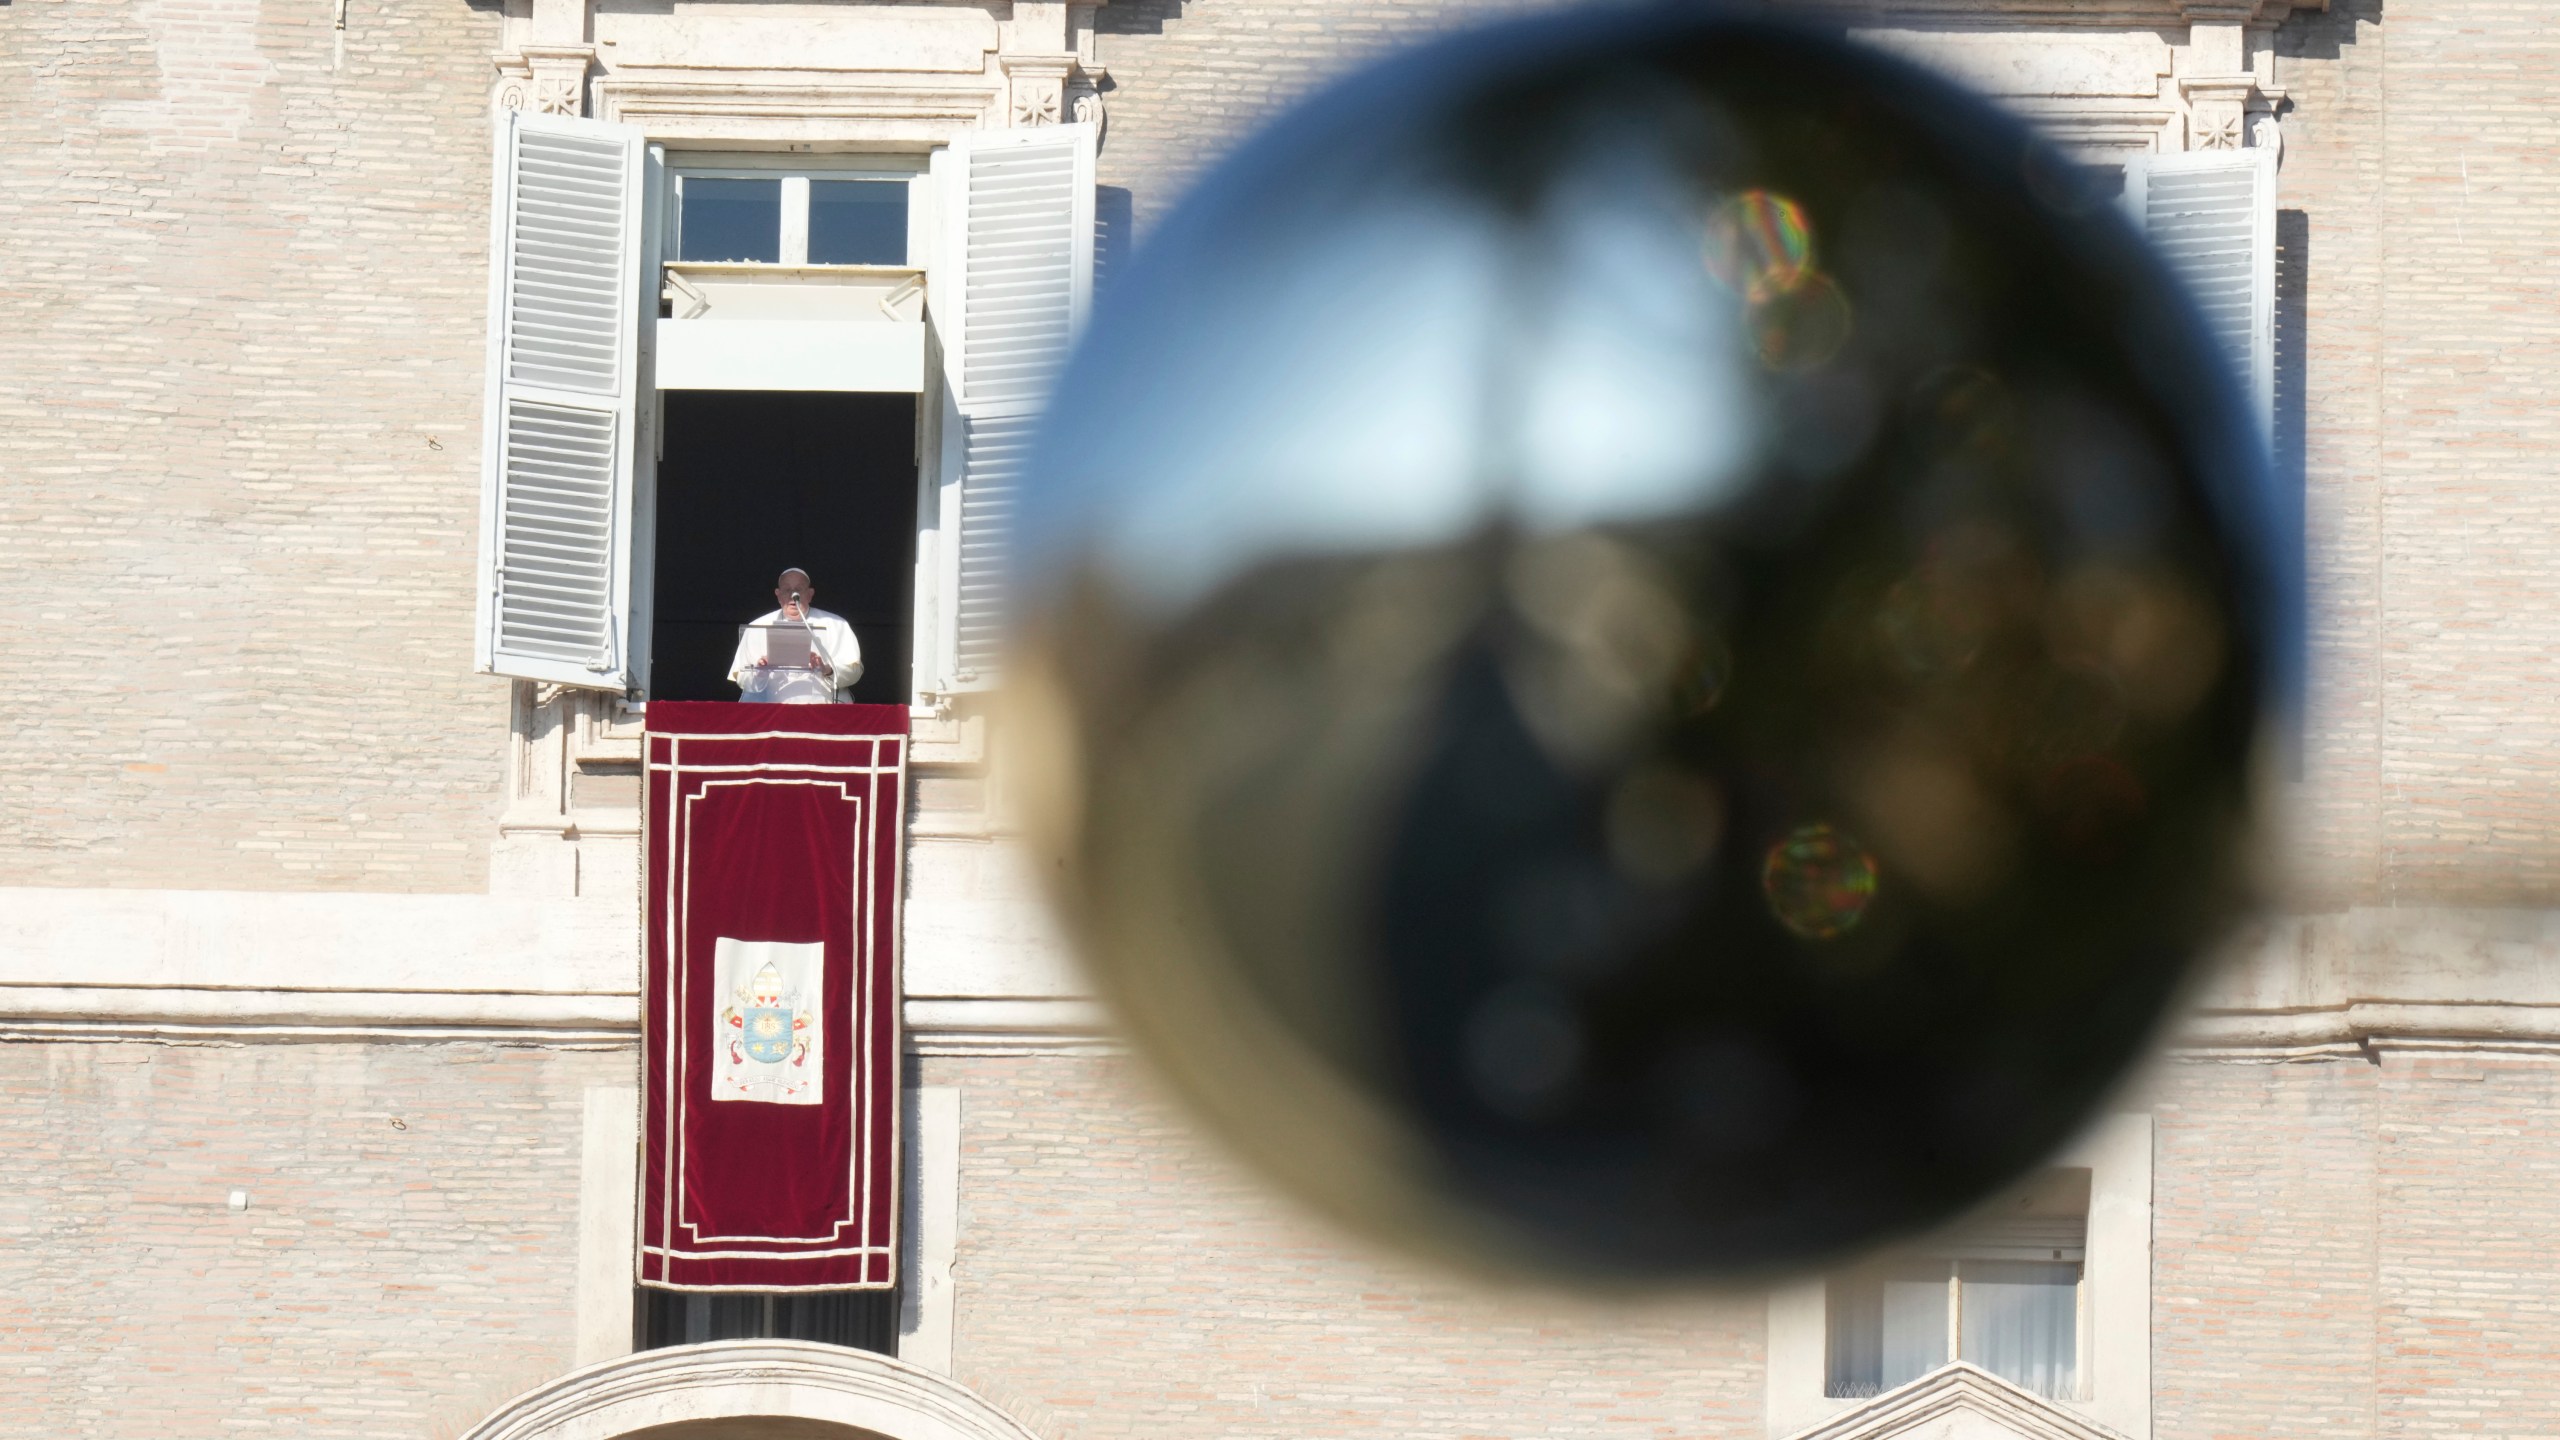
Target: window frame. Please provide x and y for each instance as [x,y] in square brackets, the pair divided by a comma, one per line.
[1951,1275]
[795,170]
[925,257]
[940,225]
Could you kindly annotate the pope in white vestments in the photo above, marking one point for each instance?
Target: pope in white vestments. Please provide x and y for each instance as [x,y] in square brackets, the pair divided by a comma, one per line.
[835,659]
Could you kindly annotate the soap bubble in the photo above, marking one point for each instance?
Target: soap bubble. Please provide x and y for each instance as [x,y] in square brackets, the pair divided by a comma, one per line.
[1759,244]
[1803,327]
[1634,660]
[1819,882]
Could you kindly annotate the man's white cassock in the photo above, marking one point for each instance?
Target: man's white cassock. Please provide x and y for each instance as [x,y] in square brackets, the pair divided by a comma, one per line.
[799,687]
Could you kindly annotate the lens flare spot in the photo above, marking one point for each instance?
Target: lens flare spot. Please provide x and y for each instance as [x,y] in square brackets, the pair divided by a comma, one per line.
[1759,244]
[1802,328]
[1819,882]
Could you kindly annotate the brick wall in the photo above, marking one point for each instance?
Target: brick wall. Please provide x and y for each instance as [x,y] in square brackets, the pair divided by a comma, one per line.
[239,440]
[2343,1247]
[1117,1278]
[2331,184]
[384,1280]
[2470,372]
[2358,1248]
[1193,77]
[2263,1225]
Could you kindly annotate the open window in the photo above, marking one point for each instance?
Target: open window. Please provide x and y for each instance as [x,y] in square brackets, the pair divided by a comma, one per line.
[750,481]
[707,367]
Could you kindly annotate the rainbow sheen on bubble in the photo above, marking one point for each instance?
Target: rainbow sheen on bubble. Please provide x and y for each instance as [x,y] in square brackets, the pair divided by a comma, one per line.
[1759,244]
[1819,882]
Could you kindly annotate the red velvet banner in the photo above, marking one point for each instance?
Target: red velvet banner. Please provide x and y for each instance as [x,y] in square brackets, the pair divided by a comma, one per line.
[770,1023]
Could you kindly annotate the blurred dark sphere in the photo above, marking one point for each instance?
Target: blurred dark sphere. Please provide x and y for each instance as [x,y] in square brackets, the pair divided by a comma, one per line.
[1642,639]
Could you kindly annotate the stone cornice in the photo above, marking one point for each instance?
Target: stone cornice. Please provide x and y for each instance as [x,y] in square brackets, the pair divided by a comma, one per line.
[182,966]
[675,104]
[985,975]
[183,1015]
[2368,1029]
[2060,14]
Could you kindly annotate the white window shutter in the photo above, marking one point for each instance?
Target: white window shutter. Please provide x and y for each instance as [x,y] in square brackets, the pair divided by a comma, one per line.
[2212,214]
[1021,242]
[561,436]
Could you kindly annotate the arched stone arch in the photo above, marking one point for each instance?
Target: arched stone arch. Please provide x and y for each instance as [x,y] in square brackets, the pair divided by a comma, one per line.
[853,1394]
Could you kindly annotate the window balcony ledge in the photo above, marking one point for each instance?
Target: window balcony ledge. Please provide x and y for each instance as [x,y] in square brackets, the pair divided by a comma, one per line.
[699,290]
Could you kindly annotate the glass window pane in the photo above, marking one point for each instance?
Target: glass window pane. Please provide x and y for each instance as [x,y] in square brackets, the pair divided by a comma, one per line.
[1887,1327]
[2022,1323]
[1853,1313]
[1915,1328]
[857,222]
[730,220]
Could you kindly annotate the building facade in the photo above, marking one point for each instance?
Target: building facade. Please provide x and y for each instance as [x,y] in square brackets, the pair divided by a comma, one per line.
[317,944]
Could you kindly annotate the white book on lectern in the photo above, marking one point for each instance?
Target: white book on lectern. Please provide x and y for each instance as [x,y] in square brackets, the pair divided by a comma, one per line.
[787,644]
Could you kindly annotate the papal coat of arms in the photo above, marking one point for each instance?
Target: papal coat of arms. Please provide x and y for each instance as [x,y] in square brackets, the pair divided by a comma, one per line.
[766,1025]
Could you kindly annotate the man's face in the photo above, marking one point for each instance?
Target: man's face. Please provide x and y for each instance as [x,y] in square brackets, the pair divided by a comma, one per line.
[794,593]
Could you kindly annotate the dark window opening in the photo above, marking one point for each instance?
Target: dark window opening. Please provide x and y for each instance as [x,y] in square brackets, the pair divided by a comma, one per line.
[729,220]
[857,222]
[752,481]
[856,1319]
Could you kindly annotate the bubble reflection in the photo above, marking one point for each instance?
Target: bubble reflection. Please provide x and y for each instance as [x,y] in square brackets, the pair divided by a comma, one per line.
[1630,603]
[1802,328]
[1759,244]
[1819,882]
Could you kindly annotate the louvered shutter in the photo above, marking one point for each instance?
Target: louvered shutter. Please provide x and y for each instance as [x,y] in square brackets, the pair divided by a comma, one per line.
[2212,213]
[557,483]
[1022,244]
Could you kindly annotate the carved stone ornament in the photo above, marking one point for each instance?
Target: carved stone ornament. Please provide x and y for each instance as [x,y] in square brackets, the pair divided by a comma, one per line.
[2218,111]
[514,90]
[1034,104]
[2266,133]
[1039,88]
[545,79]
[558,95]
[559,78]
